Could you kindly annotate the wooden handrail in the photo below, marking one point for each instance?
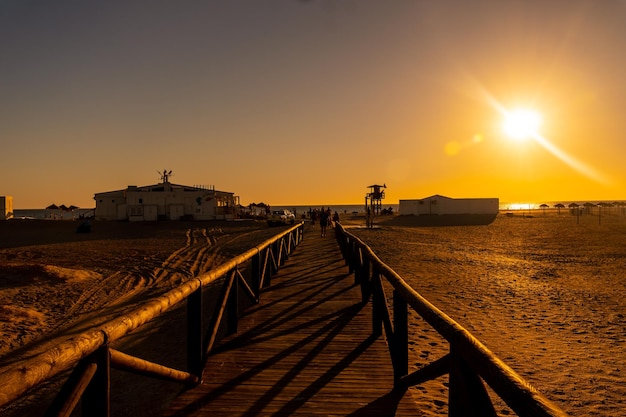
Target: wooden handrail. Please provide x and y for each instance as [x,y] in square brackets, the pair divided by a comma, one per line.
[17,379]
[467,353]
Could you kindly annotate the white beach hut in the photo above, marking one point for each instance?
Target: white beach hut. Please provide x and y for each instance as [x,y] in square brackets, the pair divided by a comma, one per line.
[440,205]
[438,210]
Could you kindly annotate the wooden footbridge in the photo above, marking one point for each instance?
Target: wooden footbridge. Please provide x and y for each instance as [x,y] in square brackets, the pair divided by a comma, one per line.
[318,336]
[307,349]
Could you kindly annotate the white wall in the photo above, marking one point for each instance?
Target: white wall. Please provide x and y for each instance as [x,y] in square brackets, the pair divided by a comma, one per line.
[445,205]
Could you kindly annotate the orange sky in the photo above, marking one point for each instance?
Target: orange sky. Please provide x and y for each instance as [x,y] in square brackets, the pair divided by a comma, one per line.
[309,102]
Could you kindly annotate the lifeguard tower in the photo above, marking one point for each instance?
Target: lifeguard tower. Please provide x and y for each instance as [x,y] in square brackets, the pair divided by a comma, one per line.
[373,202]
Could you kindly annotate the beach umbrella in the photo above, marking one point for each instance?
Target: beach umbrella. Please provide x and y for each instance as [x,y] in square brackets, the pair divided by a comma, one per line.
[544,206]
[559,206]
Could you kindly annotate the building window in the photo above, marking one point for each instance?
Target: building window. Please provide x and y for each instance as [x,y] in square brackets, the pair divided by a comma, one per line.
[136,211]
[141,201]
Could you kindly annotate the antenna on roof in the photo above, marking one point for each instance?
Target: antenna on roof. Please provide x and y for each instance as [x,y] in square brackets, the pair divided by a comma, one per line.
[165,175]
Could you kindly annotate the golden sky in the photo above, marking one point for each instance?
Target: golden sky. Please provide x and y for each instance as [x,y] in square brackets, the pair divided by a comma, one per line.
[309,102]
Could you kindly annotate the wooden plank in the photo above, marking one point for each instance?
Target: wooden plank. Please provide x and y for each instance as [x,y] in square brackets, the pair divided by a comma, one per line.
[306,349]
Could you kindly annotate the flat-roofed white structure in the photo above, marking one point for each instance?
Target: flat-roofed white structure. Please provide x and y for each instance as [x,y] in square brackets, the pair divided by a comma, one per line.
[6,207]
[165,201]
[438,210]
[438,204]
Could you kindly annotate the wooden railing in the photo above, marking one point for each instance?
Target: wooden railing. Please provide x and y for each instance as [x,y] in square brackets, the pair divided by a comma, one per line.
[91,358]
[468,362]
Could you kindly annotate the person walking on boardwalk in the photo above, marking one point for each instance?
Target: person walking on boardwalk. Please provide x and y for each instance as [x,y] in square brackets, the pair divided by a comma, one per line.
[323,221]
[313,217]
[335,218]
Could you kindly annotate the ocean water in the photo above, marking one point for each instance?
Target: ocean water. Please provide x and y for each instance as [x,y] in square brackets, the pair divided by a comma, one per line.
[341,209]
[299,209]
[504,206]
[521,206]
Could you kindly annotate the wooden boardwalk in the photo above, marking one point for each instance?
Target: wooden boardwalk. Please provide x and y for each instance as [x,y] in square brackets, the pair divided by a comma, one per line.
[306,349]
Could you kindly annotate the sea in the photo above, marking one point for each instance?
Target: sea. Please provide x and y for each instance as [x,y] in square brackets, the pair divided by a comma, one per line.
[300,209]
[503,206]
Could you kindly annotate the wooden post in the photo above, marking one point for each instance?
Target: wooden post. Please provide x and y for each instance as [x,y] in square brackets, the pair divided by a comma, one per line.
[366,287]
[65,402]
[275,256]
[232,316]
[128,363]
[467,395]
[267,266]
[255,275]
[195,350]
[358,268]
[400,346]
[377,307]
[351,256]
[97,397]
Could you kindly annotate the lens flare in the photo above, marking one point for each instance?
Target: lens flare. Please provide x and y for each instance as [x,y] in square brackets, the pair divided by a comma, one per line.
[522,124]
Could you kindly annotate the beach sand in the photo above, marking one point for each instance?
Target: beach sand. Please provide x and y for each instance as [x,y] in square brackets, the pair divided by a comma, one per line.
[546,294]
[55,282]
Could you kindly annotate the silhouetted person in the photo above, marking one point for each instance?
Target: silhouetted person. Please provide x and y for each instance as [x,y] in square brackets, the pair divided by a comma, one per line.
[323,221]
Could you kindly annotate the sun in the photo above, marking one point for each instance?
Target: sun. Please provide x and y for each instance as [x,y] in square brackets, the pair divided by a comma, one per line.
[522,124]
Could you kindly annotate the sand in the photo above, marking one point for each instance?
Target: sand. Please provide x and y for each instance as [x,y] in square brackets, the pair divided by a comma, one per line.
[545,293]
[55,282]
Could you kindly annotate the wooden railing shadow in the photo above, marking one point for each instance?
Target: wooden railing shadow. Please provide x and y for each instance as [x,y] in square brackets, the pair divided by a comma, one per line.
[468,362]
[90,357]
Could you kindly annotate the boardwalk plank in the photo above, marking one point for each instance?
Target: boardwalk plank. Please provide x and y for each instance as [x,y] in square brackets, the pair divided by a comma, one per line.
[306,349]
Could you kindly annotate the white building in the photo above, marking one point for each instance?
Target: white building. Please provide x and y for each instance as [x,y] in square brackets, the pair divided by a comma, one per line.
[165,201]
[440,205]
[6,207]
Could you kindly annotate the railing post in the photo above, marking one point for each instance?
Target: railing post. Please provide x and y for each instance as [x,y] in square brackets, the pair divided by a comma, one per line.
[292,240]
[341,239]
[232,305]
[255,275]
[351,256]
[97,397]
[400,344]
[467,395]
[377,305]
[268,266]
[73,389]
[358,268]
[195,351]
[275,256]
[366,287]
[283,250]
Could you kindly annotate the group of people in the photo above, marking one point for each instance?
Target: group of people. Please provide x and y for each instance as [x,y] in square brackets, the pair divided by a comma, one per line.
[325,217]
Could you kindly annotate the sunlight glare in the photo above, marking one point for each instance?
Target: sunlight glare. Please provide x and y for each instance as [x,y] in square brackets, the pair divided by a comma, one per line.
[522,124]
[569,160]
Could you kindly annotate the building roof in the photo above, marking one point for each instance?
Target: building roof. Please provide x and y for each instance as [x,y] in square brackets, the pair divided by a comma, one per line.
[162,187]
